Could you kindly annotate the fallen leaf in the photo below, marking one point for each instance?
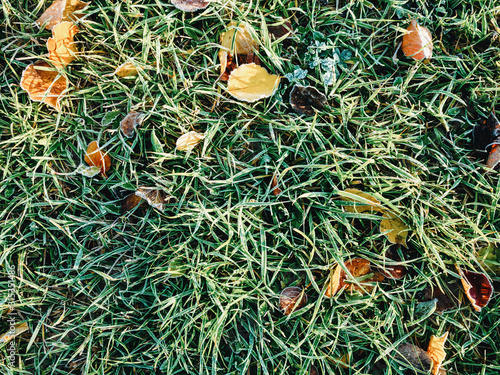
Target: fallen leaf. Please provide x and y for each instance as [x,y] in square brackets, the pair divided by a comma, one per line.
[155,197]
[394,228]
[43,84]
[436,351]
[59,11]
[425,309]
[130,202]
[413,357]
[489,258]
[88,171]
[95,157]
[306,100]
[235,41]
[110,117]
[190,5]
[477,286]
[357,268]
[486,133]
[274,185]
[126,70]
[18,329]
[188,141]
[360,205]
[251,82]
[443,302]
[493,157]
[292,298]
[417,42]
[313,370]
[62,48]
[130,122]
[233,63]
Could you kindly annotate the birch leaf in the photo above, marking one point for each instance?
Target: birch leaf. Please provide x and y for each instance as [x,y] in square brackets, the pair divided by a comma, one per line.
[251,82]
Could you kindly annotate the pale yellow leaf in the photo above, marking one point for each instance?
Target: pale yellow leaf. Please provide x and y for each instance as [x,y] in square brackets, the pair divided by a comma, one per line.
[251,82]
[126,70]
[189,141]
[61,10]
[366,202]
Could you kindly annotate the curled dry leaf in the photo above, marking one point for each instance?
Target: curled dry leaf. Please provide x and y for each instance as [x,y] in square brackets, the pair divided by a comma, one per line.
[62,48]
[237,40]
[188,141]
[95,157]
[18,329]
[190,5]
[305,99]
[366,202]
[413,357]
[126,70]
[251,82]
[394,228]
[43,84]
[436,351]
[359,270]
[292,298]
[130,202]
[493,157]
[274,185]
[155,197]
[130,122]
[477,286]
[59,11]
[417,42]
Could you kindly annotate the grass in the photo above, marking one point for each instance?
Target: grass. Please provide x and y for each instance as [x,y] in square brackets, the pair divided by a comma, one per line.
[194,290]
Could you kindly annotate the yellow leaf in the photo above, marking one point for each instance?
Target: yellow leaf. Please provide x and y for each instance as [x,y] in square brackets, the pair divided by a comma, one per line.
[61,10]
[436,351]
[189,141]
[62,48]
[125,70]
[18,329]
[394,228]
[360,205]
[235,41]
[251,82]
[334,282]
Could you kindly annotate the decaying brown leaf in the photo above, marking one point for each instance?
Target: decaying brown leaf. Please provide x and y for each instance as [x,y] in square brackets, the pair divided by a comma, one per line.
[393,271]
[357,268]
[237,40]
[155,197]
[62,48]
[126,70]
[190,5]
[188,141]
[251,82]
[274,185]
[444,302]
[413,357]
[306,99]
[43,84]
[130,122]
[477,286]
[130,202]
[94,156]
[394,228]
[18,329]
[417,42]
[59,11]
[292,298]
[436,351]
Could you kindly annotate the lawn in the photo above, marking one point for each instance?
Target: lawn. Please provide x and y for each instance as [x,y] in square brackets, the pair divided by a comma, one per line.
[194,289]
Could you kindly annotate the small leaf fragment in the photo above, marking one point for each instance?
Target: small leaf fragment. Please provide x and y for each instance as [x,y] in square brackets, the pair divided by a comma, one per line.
[19,328]
[126,70]
[307,99]
[130,122]
[493,160]
[436,351]
[394,228]
[59,11]
[274,185]
[486,133]
[425,309]
[393,271]
[130,202]
[157,146]
[43,84]
[251,82]
[155,197]
[110,117]
[190,5]
[358,269]
[237,40]
[188,141]
[88,171]
[292,298]
[62,48]
[417,42]
[95,157]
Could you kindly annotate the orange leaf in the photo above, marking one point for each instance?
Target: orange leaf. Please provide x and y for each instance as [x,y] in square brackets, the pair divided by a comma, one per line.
[417,42]
[42,84]
[357,267]
[62,48]
[95,157]
[59,11]
[436,351]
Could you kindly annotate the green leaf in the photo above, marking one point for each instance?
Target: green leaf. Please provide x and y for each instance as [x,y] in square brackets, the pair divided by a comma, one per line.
[109,117]
[157,146]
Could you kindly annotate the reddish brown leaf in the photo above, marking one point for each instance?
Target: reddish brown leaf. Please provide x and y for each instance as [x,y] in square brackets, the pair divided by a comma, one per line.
[292,298]
[417,42]
[95,157]
[477,286]
[274,185]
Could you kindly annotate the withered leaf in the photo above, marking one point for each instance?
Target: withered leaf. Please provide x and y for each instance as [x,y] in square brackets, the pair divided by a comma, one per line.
[393,271]
[357,268]
[234,62]
[155,197]
[19,328]
[88,171]
[126,70]
[280,31]
[62,48]
[436,351]
[365,202]
[417,42]
[477,286]
[188,141]
[130,122]
[489,258]
[443,303]
[493,157]
[274,185]
[251,82]
[43,84]
[292,298]
[394,228]
[305,99]
[59,11]
[94,156]
[413,357]
[486,133]
[130,202]
[235,41]
[190,5]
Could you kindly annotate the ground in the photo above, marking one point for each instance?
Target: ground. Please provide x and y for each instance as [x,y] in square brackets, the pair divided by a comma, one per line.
[195,289]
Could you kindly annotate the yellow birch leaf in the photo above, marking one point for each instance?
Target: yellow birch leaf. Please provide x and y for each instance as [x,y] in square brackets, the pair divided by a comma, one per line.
[394,228]
[235,41]
[251,82]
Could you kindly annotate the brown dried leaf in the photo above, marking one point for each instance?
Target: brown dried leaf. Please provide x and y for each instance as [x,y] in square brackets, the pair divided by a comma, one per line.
[493,160]
[306,99]
[130,202]
[436,351]
[357,268]
[393,271]
[417,42]
[39,80]
[292,298]
[414,357]
[155,197]
[280,31]
[95,157]
[130,122]
[62,48]
[274,185]
[59,11]
[190,5]
[233,63]
[477,286]
[251,82]
[126,70]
